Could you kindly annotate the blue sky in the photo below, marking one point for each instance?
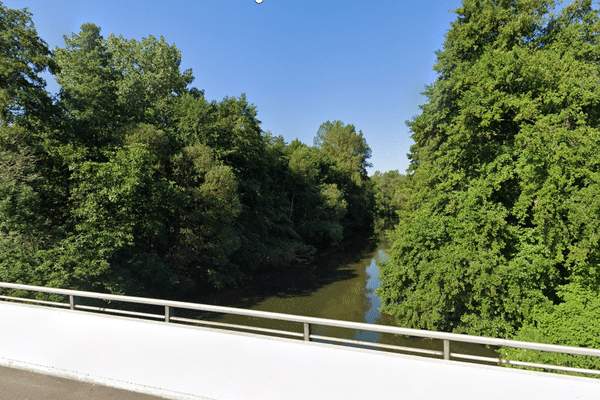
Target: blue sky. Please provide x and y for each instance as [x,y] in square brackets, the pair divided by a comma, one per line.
[300,62]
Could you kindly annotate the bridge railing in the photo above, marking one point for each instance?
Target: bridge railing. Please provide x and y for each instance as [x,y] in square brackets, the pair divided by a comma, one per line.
[306,322]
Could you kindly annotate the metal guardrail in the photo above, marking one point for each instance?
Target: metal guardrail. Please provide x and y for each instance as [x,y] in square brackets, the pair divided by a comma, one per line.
[307,322]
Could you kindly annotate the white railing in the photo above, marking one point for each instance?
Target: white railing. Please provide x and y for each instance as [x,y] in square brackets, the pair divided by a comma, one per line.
[307,322]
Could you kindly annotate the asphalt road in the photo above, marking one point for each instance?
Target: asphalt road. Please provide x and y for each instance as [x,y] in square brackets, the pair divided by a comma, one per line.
[17,384]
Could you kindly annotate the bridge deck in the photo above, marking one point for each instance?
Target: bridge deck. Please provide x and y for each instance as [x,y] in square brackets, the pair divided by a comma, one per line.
[182,362]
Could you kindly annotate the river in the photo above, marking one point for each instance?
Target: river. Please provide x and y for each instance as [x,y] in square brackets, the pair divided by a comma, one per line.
[340,286]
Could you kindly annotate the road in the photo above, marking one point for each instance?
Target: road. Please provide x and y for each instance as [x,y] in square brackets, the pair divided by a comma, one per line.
[17,384]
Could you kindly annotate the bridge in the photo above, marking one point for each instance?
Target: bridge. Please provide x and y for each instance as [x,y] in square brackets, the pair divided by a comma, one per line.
[156,347]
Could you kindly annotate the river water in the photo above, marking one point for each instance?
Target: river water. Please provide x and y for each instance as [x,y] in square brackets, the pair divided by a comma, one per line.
[340,286]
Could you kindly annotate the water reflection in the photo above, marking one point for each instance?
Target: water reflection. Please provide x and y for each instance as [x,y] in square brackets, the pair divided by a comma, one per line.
[341,287]
[373,315]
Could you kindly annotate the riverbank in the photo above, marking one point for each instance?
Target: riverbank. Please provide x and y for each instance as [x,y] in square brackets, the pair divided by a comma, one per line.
[297,280]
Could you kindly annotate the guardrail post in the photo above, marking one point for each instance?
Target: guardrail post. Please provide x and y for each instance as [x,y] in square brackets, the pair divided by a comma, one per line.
[307,331]
[71,302]
[167,313]
[446,349]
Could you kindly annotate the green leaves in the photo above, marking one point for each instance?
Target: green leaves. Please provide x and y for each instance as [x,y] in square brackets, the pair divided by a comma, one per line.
[134,183]
[150,76]
[573,322]
[24,57]
[88,88]
[503,179]
[390,195]
[343,145]
[349,152]
[23,227]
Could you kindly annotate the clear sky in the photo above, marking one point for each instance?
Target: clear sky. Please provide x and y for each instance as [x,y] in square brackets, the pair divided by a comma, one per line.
[300,62]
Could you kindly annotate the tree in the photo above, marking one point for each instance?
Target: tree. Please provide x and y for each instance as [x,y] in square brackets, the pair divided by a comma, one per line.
[205,229]
[349,149]
[389,195]
[150,78]
[349,152]
[133,182]
[24,57]
[149,221]
[572,322]
[108,84]
[318,206]
[232,131]
[502,209]
[26,115]
[88,90]
[23,226]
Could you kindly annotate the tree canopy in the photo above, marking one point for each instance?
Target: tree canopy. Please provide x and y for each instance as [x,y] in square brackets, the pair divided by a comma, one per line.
[390,196]
[350,153]
[24,57]
[503,211]
[131,181]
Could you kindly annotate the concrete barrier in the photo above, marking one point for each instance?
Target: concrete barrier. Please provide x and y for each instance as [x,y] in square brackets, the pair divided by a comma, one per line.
[181,362]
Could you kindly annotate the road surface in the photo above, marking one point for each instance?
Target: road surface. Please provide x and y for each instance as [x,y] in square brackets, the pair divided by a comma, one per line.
[17,384]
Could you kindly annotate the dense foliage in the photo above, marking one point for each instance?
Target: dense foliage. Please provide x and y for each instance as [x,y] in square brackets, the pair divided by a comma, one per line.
[500,234]
[572,322]
[390,197]
[130,181]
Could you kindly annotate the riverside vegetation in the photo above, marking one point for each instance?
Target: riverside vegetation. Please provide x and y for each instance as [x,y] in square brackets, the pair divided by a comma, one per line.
[500,232]
[130,181]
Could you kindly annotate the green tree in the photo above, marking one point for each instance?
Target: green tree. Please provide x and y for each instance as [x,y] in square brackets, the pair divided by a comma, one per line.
[206,233]
[348,148]
[502,190]
[146,221]
[572,322]
[132,182]
[26,117]
[349,152]
[390,196]
[23,226]
[150,78]
[318,205]
[111,84]
[88,92]
[232,131]
[24,56]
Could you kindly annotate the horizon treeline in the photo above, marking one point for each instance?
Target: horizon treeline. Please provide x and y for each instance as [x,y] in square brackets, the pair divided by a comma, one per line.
[130,181]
